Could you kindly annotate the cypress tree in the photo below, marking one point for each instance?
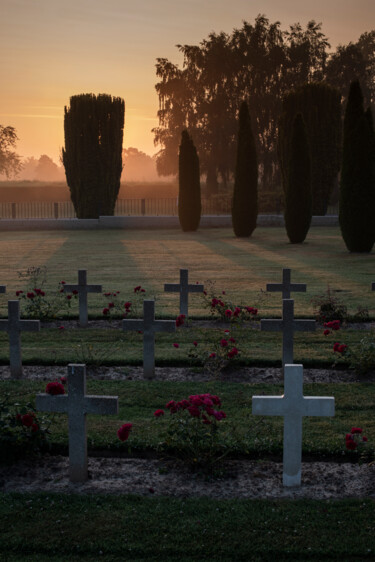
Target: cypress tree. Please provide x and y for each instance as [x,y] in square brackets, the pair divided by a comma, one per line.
[245,194]
[320,107]
[189,195]
[357,187]
[298,198]
[92,157]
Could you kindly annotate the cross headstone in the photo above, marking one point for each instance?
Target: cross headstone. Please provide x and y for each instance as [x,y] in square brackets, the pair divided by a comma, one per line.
[149,326]
[83,289]
[286,286]
[77,404]
[288,326]
[14,326]
[184,288]
[293,406]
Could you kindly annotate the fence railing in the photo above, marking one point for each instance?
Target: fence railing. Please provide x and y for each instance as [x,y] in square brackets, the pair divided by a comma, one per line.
[124,207]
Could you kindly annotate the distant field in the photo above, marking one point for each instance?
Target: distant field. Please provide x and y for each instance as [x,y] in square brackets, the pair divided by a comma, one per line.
[120,260]
[13,191]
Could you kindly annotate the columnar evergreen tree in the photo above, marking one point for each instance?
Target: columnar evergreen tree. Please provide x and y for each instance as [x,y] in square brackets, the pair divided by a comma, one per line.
[357,188]
[92,157]
[245,194]
[298,199]
[320,107]
[189,196]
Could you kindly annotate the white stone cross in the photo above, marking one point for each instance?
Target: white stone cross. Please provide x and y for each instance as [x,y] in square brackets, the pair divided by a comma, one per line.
[184,289]
[77,404]
[293,406]
[83,289]
[286,286]
[149,326]
[288,326]
[14,326]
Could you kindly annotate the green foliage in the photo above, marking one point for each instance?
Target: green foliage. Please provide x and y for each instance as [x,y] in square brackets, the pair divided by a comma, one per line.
[93,152]
[245,194]
[298,200]
[328,307]
[357,189]
[189,195]
[320,107]
[23,433]
[361,357]
[38,303]
[10,162]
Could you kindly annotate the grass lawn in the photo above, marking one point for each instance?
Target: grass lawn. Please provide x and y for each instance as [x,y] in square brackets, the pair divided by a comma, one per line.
[121,260]
[57,527]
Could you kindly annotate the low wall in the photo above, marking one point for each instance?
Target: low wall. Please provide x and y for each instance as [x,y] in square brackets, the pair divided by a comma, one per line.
[160,222]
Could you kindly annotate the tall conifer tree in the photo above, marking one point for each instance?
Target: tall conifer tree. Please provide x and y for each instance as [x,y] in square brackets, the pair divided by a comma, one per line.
[92,156]
[245,194]
[298,198]
[189,196]
[357,188]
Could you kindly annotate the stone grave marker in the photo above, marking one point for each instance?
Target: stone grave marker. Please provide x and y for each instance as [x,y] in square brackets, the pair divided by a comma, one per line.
[288,326]
[286,287]
[14,326]
[3,288]
[83,288]
[77,404]
[184,288]
[293,406]
[149,326]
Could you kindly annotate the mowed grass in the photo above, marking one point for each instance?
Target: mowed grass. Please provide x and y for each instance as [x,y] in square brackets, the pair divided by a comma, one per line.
[123,259]
[244,434]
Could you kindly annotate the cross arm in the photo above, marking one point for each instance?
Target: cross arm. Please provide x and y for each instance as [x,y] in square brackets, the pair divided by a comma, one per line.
[304,325]
[196,288]
[172,287]
[133,325]
[94,288]
[30,325]
[49,403]
[319,406]
[101,405]
[164,326]
[268,405]
[271,325]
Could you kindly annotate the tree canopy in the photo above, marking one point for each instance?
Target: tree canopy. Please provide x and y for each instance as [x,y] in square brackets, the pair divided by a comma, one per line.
[10,162]
[260,62]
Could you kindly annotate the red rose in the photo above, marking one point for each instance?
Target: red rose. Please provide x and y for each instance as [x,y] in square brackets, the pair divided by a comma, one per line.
[18,417]
[18,293]
[212,355]
[68,297]
[27,420]
[326,332]
[158,413]
[55,388]
[223,343]
[176,345]
[61,328]
[351,445]
[105,311]
[336,346]
[107,294]
[364,438]
[111,305]
[194,411]
[30,295]
[356,430]
[342,348]
[62,282]
[75,292]
[124,431]
[63,380]
[195,343]
[34,427]
[127,304]
[228,313]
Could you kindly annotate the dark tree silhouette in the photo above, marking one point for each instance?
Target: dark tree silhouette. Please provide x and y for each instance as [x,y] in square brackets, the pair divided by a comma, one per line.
[298,200]
[357,189]
[10,162]
[320,107]
[189,196]
[245,194]
[92,156]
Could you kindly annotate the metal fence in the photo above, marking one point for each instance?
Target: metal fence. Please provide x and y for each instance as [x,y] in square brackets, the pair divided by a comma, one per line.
[124,207]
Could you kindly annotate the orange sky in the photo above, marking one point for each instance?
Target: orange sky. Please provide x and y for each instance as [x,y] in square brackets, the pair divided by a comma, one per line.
[52,49]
